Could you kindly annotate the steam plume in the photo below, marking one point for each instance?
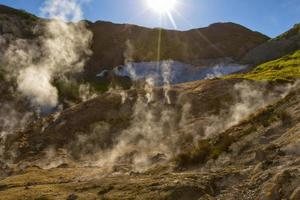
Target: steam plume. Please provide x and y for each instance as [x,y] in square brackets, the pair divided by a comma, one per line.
[61,49]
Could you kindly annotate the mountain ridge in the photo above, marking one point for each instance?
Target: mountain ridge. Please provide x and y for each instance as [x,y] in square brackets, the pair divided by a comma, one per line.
[284,44]
[195,46]
[211,42]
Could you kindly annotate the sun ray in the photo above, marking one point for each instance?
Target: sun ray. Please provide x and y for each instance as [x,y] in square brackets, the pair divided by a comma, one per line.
[138,15]
[162,6]
[171,18]
[201,35]
[159,43]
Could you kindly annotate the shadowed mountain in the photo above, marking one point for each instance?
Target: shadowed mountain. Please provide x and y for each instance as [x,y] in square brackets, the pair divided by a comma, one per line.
[220,42]
[282,45]
[114,43]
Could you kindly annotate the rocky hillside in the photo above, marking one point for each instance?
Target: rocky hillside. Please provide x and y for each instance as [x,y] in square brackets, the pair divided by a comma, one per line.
[242,144]
[215,139]
[193,129]
[284,44]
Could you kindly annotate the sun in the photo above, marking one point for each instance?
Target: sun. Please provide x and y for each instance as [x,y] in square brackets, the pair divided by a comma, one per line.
[162,6]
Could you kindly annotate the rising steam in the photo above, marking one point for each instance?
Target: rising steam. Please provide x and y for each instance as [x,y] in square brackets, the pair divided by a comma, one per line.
[11,120]
[157,130]
[31,65]
[61,48]
[158,122]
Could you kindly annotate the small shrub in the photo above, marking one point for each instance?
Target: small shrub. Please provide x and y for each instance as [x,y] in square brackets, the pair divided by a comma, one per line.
[250,130]
[105,189]
[3,187]
[68,89]
[285,118]
[221,146]
[264,117]
[42,198]
[204,151]
[72,197]
[200,152]
[100,86]
[1,74]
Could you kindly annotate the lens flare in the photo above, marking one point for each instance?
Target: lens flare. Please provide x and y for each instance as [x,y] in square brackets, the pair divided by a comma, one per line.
[162,6]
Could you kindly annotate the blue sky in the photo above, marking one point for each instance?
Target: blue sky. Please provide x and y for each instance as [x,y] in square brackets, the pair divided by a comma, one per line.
[271,17]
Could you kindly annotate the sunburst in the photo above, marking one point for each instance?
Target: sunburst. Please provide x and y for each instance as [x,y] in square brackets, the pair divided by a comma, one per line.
[162,6]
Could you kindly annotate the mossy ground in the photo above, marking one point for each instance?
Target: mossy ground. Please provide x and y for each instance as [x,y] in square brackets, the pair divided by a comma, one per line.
[283,69]
[291,33]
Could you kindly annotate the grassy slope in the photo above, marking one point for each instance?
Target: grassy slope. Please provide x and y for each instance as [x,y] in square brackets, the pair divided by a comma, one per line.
[282,45]
[285,68]
[21,13]
[290,33]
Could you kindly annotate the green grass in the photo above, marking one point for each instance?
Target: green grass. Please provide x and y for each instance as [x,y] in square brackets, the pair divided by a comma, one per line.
[69,89]
[100,86]
[283,69]
[20,13]
[291,33]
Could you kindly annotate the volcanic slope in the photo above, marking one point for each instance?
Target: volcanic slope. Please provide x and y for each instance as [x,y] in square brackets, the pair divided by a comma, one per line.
[255,156]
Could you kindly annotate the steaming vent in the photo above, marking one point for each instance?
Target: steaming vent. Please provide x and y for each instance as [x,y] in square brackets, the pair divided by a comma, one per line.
[176,72]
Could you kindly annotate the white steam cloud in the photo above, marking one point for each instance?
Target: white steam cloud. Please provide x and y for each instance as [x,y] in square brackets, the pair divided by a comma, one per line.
[43,93]
[31,65]
[66,10]
[61,48]
[11,120]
